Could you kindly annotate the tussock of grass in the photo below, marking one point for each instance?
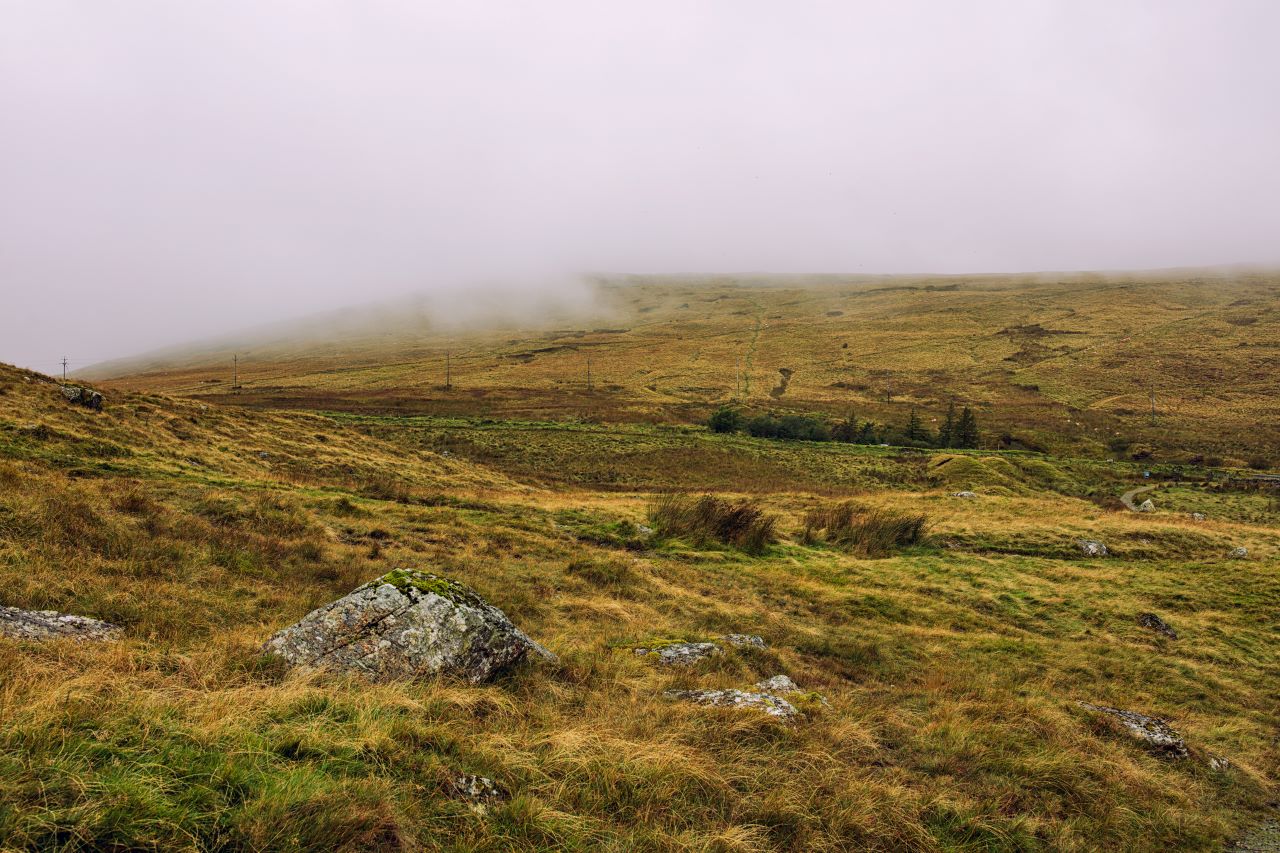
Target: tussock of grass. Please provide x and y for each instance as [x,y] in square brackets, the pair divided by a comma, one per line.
[867,532]
[708,518]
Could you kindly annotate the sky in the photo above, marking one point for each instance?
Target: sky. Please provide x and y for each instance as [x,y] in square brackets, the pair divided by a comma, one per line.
[175,170]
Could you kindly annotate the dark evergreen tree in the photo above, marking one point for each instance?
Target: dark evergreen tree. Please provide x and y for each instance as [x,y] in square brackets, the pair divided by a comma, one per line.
[947,434]
[725,419]
[967,429]
[916,432]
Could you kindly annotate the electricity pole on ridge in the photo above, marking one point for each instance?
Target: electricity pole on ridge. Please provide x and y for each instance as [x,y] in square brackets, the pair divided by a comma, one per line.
[64,370]
[588,374]
[448,370]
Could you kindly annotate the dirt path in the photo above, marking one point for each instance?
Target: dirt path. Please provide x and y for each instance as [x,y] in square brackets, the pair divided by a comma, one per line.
[1127,497]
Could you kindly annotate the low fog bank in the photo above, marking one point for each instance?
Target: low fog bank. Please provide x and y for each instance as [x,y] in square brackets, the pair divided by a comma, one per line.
[428,318]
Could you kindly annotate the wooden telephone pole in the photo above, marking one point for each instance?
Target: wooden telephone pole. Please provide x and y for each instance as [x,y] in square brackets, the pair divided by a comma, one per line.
[588,374]
[64,370]
[448,370]
[1152,394]
[235,371]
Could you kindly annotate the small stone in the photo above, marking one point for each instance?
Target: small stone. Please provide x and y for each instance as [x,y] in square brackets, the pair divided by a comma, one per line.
[774,706]
[1156,734]
[1147,506]
[1197,516]
[778,684]
[739,641]
[1092,548]
[963,495]
[1239,553]
[1155,623]
[480,791]
[52,625]
[1217,762]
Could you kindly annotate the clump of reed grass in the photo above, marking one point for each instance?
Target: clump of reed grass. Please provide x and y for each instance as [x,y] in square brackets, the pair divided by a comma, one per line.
[865,531]
[708,518]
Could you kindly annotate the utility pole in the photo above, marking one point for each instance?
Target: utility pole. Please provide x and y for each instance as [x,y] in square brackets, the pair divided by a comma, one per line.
[588,374]
[1152,394]
[737,381]
[64,370]
[235,371]
[448,370]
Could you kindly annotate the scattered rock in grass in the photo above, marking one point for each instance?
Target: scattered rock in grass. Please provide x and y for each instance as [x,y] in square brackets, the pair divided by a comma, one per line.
[774,706]
[680,654]
[407,624]
[1217,762]
[1155,623]
[479,791]
[781,685]
[1239,553]
[1197,516]
[963,495]
[778,684]
[1156,734]
[1147,506]
[644,530]
[86,397]
[52,625]
[739,641]
[1092,548]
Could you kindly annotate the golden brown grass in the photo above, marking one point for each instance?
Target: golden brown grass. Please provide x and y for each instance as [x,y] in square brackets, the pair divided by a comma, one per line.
[950,670]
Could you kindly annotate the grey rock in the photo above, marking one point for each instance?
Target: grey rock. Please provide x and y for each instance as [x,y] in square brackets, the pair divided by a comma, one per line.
[1092,548]
[1155,623]
[1217,762]
[965,494]
[479,791]
[86,397]
[778,684]
[1239,553]
[680,654]
[407,624]
[1147,506]
[774,706]
[1154,733]
[739,641]
[52,625]
[1197,516]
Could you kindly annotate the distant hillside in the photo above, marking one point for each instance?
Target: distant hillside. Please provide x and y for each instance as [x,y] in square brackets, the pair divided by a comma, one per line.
[1067,363]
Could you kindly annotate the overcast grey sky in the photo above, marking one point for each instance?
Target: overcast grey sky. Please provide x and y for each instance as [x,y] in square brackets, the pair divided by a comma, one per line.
[175,168]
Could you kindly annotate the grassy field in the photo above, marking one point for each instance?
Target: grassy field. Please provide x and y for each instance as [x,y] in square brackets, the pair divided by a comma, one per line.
[951,667]
[1064,363]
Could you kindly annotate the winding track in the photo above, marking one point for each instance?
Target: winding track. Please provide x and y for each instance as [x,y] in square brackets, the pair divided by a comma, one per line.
[1127,497]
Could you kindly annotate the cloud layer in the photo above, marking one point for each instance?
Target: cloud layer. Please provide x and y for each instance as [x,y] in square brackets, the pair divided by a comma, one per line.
[171,170]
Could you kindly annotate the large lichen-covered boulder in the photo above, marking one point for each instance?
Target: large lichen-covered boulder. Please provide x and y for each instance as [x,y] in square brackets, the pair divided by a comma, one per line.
[86,397]
[52,625]
[407,624]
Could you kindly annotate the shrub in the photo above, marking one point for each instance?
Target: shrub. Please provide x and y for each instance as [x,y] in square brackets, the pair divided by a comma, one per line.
[1259,463]
[708,518]
[870,532]
[789,427]
[725,419]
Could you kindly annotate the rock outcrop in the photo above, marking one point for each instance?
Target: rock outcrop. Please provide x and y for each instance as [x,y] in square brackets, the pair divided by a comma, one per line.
[687,653]
[774,706]
[52,625]
[1092,548]
[1239,553]
[86,397]
[964,494]
[1154,733]
[1147,506]
[1155,623]
[407,624]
